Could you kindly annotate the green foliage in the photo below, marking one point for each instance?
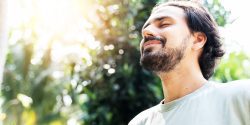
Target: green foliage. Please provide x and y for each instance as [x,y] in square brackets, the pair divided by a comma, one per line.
[32,81]
[233,67]
[111,83]
[130,89]
[218,11]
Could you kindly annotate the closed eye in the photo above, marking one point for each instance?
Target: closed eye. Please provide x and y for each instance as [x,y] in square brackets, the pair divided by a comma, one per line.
[163,25]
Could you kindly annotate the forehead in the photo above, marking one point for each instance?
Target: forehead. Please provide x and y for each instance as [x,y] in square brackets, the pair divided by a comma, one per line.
[172,12]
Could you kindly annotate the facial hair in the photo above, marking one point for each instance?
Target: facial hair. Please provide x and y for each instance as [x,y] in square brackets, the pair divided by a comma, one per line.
[165,59]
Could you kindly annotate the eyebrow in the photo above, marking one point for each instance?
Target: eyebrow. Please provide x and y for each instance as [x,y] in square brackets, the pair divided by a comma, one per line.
[154,20]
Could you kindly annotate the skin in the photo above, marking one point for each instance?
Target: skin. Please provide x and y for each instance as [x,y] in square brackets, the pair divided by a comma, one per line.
[169,22]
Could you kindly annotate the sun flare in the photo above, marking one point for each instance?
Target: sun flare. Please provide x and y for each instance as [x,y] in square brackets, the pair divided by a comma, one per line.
[60,25]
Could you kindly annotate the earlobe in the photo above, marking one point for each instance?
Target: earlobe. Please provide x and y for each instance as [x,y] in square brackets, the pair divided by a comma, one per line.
[199,41]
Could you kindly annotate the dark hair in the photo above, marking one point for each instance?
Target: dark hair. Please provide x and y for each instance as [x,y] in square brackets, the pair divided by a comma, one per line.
[199,20]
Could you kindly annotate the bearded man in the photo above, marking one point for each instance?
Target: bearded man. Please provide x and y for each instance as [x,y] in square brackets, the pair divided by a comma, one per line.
[181,44]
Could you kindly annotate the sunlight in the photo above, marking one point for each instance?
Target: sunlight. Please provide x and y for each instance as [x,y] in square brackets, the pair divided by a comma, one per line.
[25,100]
[236,33]
[57,24]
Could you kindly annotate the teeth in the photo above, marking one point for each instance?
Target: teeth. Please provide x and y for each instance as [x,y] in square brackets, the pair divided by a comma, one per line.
[152,42]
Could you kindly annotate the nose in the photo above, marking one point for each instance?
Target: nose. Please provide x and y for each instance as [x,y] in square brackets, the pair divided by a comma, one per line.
[149,31]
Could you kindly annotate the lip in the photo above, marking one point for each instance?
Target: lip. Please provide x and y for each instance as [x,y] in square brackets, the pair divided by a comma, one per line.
[151,42]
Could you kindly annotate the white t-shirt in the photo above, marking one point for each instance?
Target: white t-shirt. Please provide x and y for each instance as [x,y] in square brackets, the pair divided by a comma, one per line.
[212,104]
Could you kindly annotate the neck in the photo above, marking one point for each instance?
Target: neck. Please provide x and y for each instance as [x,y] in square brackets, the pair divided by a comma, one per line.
[181,81]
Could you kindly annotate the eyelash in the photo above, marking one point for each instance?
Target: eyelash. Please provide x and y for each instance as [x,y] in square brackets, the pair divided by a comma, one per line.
[165,24]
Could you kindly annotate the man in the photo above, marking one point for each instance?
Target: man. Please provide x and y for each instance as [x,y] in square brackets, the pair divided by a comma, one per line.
[181,45]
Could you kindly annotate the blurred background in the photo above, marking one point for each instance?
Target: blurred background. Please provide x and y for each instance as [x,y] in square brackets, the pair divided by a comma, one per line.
[76,62]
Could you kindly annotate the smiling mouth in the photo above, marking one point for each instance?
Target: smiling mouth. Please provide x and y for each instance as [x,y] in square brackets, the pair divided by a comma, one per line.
[150,42]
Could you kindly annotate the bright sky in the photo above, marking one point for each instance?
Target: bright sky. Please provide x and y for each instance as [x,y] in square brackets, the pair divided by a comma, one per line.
[237,34]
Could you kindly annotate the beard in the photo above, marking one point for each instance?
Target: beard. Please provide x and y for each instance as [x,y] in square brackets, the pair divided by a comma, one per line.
[165,59]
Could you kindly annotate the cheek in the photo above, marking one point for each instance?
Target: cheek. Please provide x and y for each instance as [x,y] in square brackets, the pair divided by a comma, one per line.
[172,38]
[174,35]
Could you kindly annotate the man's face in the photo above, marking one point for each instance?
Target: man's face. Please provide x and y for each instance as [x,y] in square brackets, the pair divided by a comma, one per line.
[165,39]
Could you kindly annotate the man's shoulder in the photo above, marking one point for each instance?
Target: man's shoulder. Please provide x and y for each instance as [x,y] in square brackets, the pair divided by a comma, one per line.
[143,116]
[238,88]
[237,85]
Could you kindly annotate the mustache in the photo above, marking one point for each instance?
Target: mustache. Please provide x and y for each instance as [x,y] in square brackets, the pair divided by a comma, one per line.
[146,39]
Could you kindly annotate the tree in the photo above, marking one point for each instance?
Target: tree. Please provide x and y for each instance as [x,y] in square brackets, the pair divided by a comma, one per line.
[233,67]
[128,89]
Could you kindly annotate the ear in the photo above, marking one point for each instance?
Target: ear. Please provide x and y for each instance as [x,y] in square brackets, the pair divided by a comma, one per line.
[199,40]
